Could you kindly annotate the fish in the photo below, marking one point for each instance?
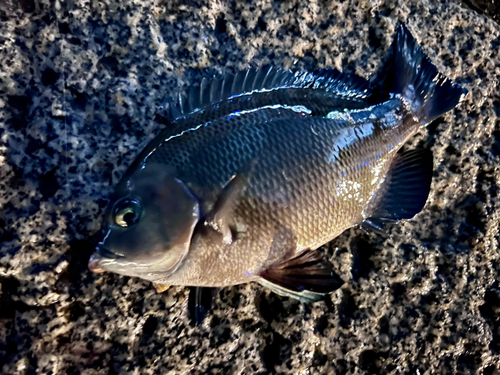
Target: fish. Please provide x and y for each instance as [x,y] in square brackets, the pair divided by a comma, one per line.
[256,170]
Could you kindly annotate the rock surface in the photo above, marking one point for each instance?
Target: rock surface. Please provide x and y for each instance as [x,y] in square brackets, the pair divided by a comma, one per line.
[80,86]
[487,7]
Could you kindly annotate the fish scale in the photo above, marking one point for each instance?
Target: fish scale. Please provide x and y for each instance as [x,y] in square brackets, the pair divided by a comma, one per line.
[260,168]
[310,187]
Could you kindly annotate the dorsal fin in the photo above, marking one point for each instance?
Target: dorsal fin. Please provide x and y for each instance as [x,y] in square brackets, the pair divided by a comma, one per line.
[246,82]
[335,82]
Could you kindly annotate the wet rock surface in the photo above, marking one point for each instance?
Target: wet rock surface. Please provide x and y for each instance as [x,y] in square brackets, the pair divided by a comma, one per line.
[80,87]
[486,7]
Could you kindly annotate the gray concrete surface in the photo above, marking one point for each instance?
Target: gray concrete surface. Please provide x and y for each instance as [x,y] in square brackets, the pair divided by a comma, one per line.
[80,86]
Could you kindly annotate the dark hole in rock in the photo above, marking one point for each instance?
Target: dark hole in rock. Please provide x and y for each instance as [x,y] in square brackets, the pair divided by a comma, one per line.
[319,359]
[398,290]
[361,253]
[48,18]
[343,367]
[321,324]
[466,364]
[75,41]
[9,287]
[374,38]
[220,25]
[27,6]
[490,311]
[372,361]
[48,184]
[49,77]
[150,326]
[19,103]
[347,308]
[491,307]
[276,351]
[6,233]
[495,147]
[383,324]
[78,255]
[221,335]
[76,310]
[79,101]
[270,307]
[262,24]
[110,63]
[495,342]
[64,28]
[491,370]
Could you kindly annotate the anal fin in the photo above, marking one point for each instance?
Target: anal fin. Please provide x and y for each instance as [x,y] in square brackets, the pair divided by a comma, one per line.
[306,276]
[405,190]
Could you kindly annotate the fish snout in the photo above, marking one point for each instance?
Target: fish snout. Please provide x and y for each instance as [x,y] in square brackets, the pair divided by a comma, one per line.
[94,263]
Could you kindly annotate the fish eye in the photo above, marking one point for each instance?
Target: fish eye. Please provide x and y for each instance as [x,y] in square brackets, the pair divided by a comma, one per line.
[127,212]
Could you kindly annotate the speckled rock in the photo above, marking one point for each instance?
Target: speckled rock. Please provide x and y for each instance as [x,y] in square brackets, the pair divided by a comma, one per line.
[81,86]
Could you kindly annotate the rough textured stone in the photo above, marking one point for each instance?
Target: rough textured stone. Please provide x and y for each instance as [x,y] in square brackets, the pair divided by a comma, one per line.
[80,86]
[487,7]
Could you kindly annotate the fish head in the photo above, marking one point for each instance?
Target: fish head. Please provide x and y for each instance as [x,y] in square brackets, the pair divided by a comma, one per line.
[148,226]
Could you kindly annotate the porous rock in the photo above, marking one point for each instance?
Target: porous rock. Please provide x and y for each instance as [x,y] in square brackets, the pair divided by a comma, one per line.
[81,85]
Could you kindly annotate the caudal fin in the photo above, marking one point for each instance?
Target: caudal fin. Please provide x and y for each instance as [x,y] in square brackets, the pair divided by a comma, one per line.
[429,93]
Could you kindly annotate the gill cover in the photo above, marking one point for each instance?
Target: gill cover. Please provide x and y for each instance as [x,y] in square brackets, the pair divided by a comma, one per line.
[150,222]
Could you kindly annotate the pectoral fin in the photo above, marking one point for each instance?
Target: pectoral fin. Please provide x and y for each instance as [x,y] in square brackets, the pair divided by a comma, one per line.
[306,276]
[218,218]
[405,191]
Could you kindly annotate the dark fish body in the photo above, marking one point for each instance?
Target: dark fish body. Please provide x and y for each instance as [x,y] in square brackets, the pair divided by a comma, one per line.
[313,178]
[261,168]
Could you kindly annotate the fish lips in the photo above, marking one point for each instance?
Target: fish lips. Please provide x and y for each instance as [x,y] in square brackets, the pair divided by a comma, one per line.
[94,263]
[101,254]
[104,260]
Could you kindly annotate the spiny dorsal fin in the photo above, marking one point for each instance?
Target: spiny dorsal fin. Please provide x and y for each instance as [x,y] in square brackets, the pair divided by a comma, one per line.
[335,82]
[245,82]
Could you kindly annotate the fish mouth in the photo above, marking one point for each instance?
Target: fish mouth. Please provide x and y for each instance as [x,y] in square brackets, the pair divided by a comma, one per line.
[97,257]
[94,264]
[103,260]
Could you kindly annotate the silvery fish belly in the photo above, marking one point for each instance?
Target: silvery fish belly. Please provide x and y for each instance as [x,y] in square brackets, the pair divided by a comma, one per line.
[258,169]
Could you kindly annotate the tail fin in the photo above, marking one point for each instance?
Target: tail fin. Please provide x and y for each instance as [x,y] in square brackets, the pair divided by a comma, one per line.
[413,76]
